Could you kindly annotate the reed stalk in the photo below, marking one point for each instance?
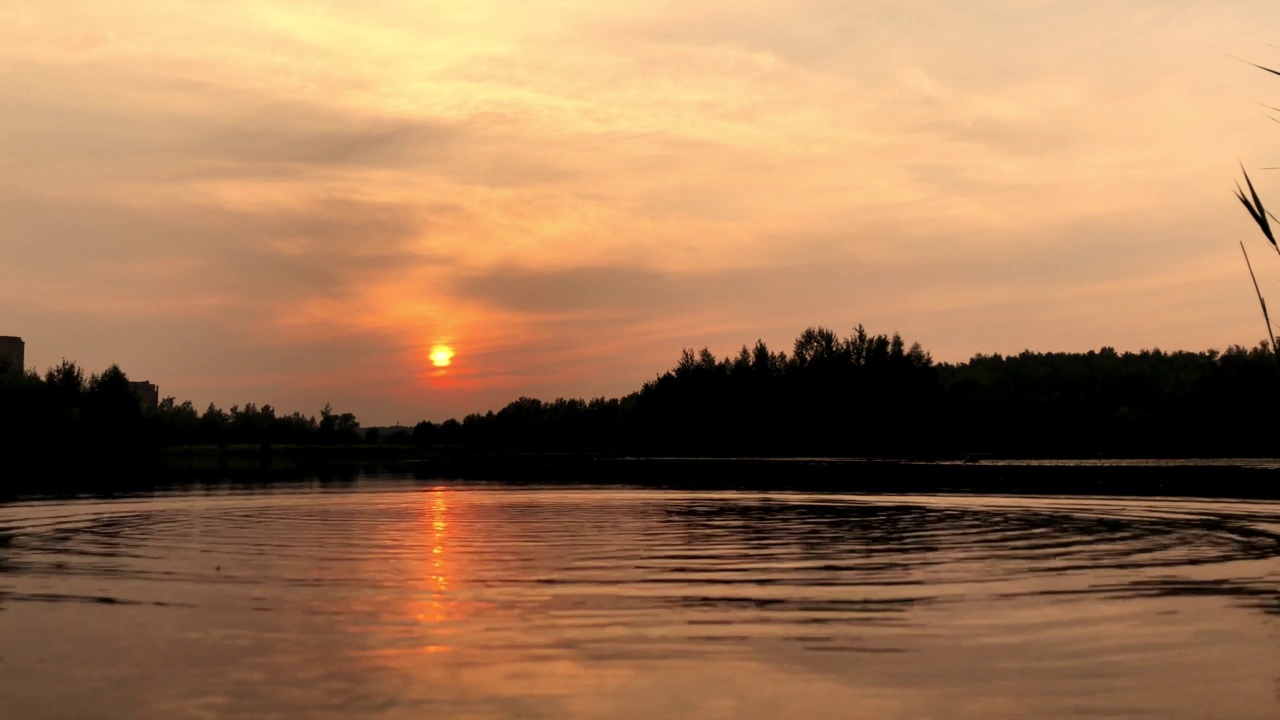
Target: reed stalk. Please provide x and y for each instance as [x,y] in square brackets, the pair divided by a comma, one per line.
[1261,216]
[1266,317]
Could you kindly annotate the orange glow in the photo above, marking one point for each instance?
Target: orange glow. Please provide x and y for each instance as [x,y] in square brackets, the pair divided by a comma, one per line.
[441,356]
[560,201]
[436,572]
[439,536]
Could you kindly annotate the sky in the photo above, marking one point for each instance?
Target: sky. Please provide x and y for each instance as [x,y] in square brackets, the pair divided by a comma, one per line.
[298,203]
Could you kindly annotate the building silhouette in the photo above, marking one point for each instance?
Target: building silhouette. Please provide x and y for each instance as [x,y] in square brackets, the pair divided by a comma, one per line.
[148,393]
[12,353]
[13,360]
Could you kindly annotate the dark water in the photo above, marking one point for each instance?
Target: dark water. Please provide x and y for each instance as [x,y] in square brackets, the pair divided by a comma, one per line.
[394,600]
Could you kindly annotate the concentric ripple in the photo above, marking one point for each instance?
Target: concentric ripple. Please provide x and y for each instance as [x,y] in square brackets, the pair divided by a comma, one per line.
[394,598]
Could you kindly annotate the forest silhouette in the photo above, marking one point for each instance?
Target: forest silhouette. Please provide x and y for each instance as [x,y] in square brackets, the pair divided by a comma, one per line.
[861,395]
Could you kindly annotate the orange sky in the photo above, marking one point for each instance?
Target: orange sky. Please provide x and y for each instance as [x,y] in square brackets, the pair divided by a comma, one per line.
[295,202]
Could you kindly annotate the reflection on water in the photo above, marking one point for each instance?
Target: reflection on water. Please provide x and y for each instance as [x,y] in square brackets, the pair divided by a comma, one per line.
[400,601]
[435,607]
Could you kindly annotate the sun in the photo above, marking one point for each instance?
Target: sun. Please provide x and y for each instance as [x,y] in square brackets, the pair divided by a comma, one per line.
[441,356]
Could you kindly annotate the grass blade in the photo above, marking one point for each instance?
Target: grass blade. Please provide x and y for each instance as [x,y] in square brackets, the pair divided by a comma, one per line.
[1255,208]
[1265,316]
[1260,67]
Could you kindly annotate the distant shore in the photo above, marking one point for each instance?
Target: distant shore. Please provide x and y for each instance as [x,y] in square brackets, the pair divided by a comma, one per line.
[1230,477]
[1245,478]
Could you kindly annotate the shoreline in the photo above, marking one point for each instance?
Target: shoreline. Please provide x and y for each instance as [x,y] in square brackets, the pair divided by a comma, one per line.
[1243,478]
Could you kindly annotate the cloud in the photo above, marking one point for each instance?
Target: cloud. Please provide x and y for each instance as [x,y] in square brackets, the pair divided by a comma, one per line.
[571,194]
[276,134]
[587,290]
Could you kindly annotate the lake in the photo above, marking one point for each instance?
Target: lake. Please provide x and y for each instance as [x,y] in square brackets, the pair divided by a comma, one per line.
[390,598]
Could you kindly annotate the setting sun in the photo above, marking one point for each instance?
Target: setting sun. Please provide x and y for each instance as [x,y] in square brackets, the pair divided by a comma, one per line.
[441,355]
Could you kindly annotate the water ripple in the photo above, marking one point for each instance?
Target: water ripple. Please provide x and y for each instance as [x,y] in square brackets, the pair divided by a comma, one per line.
[509,576]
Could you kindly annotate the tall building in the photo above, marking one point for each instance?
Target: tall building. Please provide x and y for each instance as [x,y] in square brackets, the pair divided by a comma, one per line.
[148,393]
[12,353]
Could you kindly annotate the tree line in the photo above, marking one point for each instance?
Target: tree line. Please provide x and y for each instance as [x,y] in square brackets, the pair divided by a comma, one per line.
[66,414]
[866,395]
[858,395]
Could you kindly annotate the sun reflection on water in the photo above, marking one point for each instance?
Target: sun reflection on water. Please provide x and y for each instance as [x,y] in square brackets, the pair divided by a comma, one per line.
[437,605]
[439,536]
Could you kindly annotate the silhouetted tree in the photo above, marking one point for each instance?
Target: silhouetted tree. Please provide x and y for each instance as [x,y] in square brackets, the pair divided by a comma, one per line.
[338,429]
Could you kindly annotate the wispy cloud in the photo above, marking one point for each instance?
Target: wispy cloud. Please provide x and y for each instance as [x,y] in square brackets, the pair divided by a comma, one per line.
[293,202]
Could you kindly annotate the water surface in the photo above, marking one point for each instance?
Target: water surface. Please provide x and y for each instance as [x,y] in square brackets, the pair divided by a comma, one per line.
[391,599]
